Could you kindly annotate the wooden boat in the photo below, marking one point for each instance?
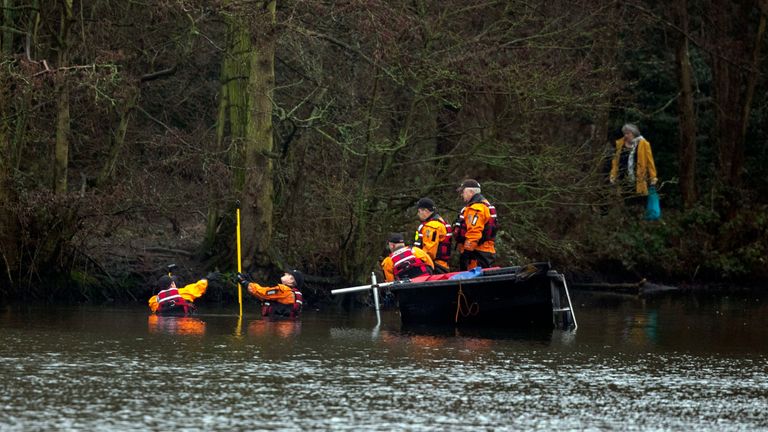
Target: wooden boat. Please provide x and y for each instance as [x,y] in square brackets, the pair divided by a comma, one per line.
[533,295]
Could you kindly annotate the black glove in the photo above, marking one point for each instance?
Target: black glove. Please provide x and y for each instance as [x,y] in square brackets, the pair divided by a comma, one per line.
[242,279]
[213,276]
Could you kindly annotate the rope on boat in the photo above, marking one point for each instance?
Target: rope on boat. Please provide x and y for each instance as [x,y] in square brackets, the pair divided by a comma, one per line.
[468,310]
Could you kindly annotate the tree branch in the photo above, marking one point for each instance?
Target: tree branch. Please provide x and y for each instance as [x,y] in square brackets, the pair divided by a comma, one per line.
[158,74]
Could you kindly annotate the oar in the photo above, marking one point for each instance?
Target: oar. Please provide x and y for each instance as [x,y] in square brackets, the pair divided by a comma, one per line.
[239,260]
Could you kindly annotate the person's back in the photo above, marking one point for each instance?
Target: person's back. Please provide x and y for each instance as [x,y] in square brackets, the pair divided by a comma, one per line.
[404,261]
[477,228]
[171,300]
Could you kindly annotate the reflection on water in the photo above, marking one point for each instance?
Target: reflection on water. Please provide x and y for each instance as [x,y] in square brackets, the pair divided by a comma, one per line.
[274,329]
[176,325]
[670,363]
[641,328]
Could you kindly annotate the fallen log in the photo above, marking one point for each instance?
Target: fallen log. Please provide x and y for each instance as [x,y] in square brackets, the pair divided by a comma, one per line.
[641,287]
[609,285]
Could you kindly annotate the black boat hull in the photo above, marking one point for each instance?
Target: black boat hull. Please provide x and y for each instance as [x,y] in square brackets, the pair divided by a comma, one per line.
[511,297]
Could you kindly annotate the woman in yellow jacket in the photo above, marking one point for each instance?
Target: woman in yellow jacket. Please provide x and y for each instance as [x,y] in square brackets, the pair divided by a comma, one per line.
[633,160]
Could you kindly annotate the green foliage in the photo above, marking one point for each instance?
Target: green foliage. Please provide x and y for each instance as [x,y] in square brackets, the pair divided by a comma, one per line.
[368,117]
[693,245]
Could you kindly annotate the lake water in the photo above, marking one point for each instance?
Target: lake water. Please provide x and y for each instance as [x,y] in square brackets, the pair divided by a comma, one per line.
[665,363]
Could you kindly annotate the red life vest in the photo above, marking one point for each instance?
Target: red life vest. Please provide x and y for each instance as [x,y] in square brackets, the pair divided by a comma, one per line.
[280,310]
[170,300]
[407,265]
[489,230]
[460,228]
[444,246]
[491,227]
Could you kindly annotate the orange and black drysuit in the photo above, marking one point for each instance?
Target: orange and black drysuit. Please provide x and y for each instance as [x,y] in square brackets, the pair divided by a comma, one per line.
[434,237]
[178,300]
[406,262]
[279,301]
[475,233]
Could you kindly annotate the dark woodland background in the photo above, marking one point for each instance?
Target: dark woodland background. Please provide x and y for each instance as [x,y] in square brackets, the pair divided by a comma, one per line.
[130,129]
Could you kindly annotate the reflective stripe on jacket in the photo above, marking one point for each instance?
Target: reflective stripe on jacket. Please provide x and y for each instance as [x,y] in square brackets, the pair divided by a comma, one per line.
[283,310]
[478,225]
[434,237]
[388,264]
[190,293]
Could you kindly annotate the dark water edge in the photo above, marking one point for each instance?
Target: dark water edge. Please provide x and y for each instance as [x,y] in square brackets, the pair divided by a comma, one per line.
[672,362]
[224,293]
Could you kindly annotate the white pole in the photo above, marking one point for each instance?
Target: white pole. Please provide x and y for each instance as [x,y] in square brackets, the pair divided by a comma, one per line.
[376,298]
[375,291]
[358,288]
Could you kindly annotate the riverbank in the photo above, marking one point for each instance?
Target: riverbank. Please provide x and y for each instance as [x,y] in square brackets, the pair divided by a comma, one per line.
[120,262]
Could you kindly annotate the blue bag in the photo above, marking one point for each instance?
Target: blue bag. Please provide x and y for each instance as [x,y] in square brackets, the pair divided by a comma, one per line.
[653,207]
[471,274]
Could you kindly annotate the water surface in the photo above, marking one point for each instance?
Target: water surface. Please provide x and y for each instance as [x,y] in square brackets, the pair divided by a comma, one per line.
[665,363]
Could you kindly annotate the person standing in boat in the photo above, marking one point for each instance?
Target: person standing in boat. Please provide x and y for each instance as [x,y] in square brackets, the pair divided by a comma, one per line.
[171,300]
[475,229]
[405,261]
[633,161]
[282,301]
[434,235]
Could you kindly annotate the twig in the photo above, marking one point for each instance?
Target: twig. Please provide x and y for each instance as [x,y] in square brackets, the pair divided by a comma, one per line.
[158,74]
[158,121]
[160,249]
[67,68]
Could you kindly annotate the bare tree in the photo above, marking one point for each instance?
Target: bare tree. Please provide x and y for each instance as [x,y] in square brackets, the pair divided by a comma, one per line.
[687,149]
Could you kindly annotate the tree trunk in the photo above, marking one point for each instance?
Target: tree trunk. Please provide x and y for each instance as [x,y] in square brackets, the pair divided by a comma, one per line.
[62,138]
[125,111]
[249,74]
[753,76]
[687,149]
[7,35]
[357,267]
[259,193]
[8,249]
[214,210]
[733,41]
[61,152]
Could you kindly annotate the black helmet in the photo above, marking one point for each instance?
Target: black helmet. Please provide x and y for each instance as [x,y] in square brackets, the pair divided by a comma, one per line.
[298,277]
[165,281]
[426,203]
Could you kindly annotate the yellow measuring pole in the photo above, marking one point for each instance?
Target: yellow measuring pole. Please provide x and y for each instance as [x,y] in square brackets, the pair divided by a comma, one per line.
[239,262]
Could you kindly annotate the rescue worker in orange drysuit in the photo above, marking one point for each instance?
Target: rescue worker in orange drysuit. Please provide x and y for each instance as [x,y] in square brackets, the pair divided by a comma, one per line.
[404,261]
[281,301]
